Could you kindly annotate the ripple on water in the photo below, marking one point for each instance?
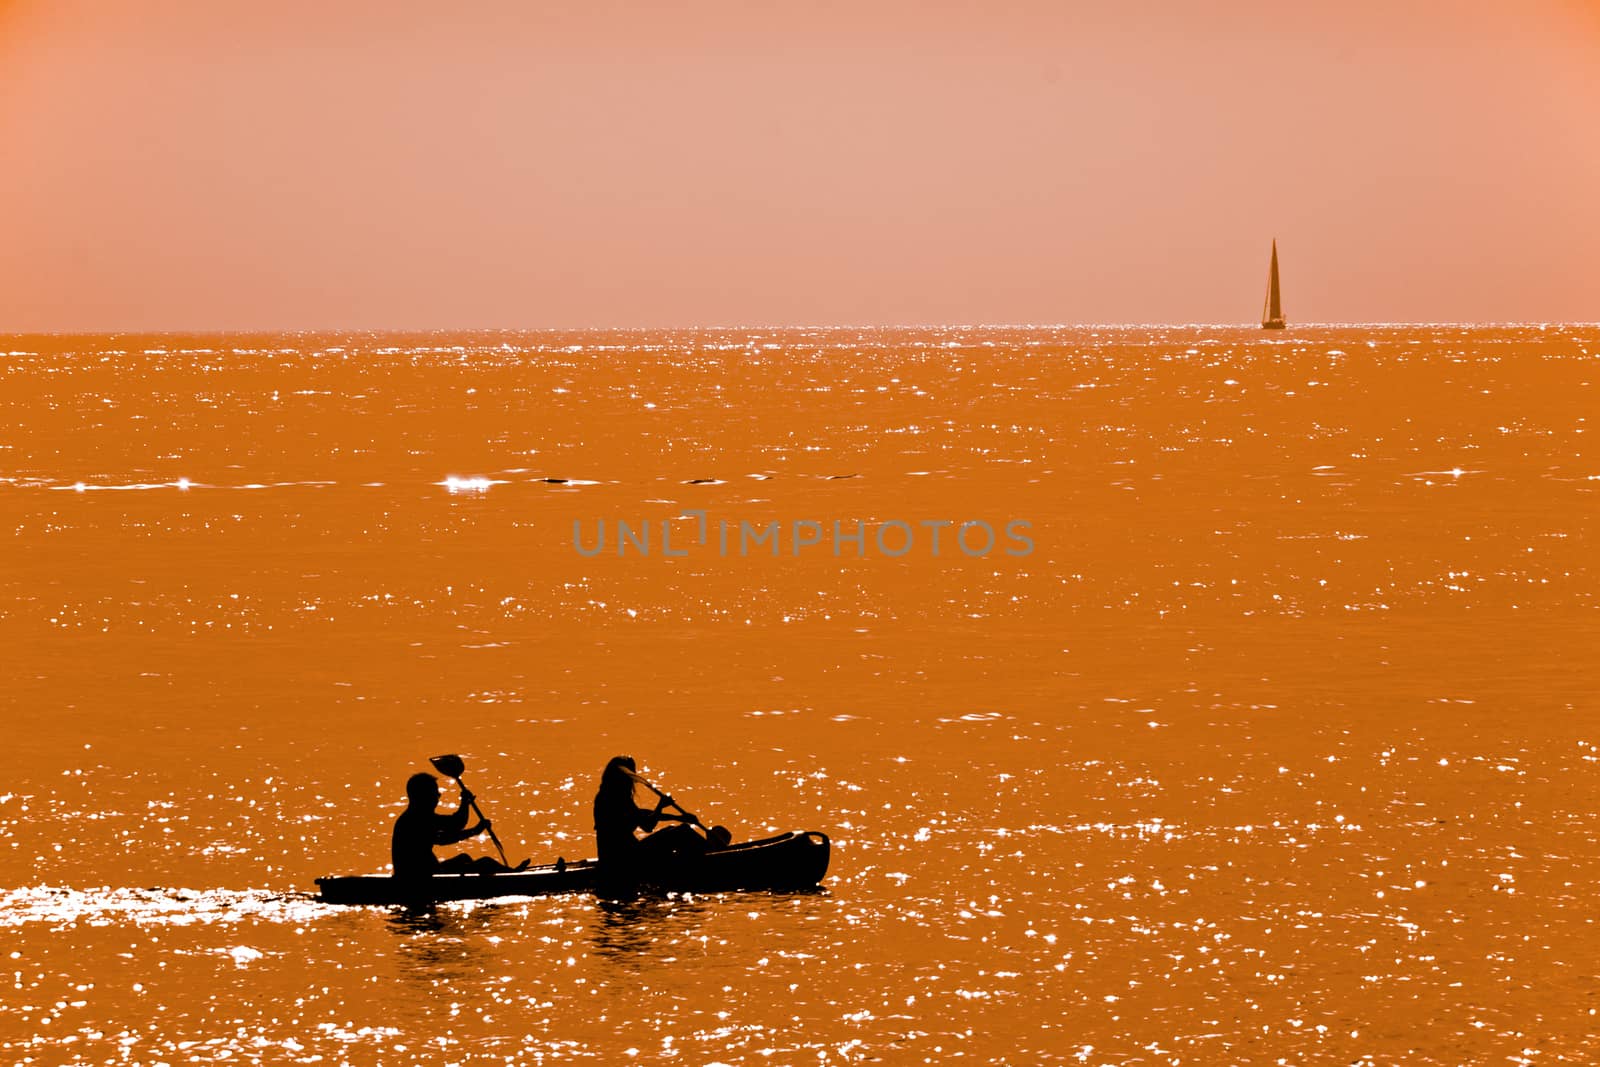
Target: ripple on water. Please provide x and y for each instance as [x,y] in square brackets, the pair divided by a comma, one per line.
[109,905]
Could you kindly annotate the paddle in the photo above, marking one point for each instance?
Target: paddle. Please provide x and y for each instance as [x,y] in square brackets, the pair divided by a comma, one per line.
[452,767]
[717,836]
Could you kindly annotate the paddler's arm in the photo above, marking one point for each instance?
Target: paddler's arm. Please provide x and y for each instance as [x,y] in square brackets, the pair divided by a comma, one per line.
[667,816]
[453,827]
[649,819]
[449,835]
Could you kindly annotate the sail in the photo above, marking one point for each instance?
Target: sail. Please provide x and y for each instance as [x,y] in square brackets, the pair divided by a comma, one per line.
[1272,312]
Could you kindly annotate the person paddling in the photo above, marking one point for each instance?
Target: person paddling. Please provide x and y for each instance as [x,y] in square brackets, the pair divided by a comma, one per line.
[617,818]
[420,827]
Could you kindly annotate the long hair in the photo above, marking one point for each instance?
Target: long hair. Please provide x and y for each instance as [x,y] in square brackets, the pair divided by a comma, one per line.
[618,778]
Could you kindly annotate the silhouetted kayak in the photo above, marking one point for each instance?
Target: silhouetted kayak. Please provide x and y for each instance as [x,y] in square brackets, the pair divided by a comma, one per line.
[786,862]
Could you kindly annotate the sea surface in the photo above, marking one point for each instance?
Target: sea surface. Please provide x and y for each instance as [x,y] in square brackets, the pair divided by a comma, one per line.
[1273,739]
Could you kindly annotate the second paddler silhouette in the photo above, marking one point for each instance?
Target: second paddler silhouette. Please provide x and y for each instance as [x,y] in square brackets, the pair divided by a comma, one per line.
[618,819]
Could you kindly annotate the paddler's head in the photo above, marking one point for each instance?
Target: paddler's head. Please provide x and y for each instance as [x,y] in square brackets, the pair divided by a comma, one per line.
[619,774]
[422,790]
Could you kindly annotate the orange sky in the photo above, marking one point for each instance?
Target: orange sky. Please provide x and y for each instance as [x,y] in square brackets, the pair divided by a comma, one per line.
[187,164]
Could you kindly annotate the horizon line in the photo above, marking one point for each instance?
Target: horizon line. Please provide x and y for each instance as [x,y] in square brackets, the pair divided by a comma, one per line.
[265,330]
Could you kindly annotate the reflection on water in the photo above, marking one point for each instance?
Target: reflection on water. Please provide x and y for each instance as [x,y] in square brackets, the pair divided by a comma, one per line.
[644,929]
[422,919]
[441,944]
[1279,747]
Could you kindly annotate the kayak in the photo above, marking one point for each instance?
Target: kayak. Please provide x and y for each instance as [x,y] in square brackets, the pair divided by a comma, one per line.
[786,862]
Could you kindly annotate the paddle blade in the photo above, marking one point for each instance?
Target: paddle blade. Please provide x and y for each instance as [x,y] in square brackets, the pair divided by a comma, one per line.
[719,837]
[449,766]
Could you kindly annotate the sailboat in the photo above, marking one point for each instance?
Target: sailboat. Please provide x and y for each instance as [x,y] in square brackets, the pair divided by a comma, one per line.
[1272,311]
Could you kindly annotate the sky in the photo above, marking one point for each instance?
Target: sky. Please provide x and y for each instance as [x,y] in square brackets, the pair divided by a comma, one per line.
[192,165]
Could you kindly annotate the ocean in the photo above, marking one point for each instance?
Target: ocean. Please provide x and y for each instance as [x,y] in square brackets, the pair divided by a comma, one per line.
[1190,694]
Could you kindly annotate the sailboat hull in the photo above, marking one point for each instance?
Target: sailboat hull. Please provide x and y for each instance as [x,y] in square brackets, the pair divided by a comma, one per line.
[1274,324]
